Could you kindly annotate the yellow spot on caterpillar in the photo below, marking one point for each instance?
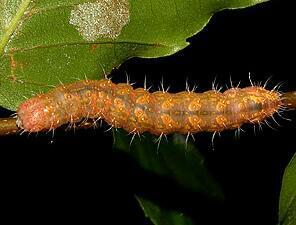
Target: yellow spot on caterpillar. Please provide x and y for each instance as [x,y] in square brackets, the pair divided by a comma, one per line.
[221,106]
[68,96]
[141,115]
[221,121]
[138,112]
[123,89]
[194,105]
[88,93]
[167,104]
[195,122]
[104,83]
[119,104]
[100,19]
[144,99]
[168,121]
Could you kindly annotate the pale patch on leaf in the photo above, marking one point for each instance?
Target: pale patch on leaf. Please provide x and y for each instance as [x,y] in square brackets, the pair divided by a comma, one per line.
[100,19]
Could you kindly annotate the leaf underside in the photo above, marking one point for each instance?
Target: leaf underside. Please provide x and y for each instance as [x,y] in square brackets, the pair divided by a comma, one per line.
[161,216]
[39,47]
[172,158]
[175,159]
[287,209]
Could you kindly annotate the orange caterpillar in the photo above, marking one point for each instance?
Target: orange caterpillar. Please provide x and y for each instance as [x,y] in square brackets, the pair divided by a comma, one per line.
[138,111]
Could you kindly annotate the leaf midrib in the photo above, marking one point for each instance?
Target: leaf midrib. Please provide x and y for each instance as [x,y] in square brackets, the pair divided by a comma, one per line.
[13,24]
[59,45]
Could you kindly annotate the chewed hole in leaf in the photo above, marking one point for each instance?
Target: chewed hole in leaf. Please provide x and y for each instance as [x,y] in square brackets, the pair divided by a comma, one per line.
[100,19]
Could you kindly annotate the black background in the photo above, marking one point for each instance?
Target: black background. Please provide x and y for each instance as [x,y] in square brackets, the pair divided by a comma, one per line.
[77,176]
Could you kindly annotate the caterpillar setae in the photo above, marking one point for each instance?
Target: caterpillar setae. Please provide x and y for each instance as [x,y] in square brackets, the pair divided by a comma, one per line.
[138,110]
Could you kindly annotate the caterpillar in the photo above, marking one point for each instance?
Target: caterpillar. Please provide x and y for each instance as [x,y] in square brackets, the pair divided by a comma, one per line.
[138,110]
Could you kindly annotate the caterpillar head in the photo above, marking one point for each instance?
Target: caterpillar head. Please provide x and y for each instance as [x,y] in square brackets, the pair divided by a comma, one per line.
[32,114]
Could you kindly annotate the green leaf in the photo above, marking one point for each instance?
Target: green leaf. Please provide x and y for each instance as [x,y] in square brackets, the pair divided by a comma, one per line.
[185,166]
[47,41]
[160,216]
[287,209]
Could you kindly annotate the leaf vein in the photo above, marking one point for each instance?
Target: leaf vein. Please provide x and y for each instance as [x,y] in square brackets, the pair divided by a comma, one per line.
[14,24]
[15,50]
